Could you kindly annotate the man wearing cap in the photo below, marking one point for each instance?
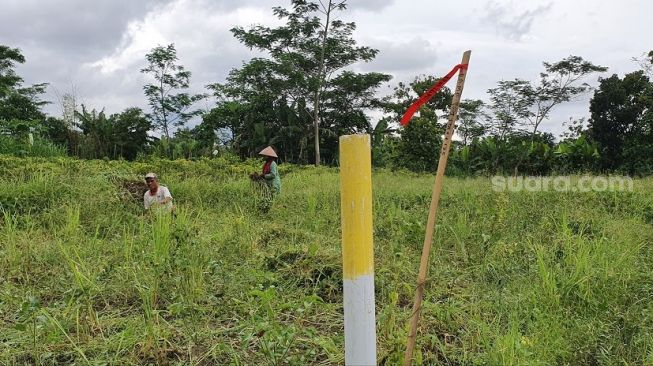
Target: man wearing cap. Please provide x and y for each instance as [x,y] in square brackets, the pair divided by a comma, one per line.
[156,196]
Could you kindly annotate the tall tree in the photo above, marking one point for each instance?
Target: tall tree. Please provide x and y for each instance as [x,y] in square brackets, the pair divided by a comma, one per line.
[560,82]
[170,105]
[520,102]
[9,80]
[250,105]
[622,122]
[17,101]
[471,117]
[507,108]
[308,56]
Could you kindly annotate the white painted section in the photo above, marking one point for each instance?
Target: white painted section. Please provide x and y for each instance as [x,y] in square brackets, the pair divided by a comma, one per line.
[360,321]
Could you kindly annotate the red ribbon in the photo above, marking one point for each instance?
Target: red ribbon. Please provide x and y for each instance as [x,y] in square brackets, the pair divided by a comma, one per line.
[429,94]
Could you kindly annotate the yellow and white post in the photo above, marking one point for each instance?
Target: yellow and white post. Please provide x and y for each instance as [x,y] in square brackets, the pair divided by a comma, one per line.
[357,249]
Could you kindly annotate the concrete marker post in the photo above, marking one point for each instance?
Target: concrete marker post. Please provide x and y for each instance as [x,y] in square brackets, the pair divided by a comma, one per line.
[357,249]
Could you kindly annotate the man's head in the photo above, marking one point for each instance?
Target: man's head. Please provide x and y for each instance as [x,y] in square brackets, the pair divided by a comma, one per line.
[150,180]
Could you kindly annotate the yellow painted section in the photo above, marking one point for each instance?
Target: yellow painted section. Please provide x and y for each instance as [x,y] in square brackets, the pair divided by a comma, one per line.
[356,205]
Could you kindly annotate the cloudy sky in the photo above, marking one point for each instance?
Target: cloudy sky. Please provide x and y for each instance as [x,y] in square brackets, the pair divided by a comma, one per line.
[98,47]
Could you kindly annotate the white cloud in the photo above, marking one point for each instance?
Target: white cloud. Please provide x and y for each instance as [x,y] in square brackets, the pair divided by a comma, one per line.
[138,40]
[511,22]
[412,55]
[189,24]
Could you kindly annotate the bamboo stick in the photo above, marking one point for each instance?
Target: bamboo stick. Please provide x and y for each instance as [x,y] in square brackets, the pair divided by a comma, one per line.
[433,210]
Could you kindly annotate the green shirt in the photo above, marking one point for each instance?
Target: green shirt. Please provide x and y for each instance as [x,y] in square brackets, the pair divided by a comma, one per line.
[272,178]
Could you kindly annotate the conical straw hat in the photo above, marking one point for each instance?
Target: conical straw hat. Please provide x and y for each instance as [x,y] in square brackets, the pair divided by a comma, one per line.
[268,151]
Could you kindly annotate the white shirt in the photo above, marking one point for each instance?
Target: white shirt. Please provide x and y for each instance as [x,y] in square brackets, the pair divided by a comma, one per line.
[161,194]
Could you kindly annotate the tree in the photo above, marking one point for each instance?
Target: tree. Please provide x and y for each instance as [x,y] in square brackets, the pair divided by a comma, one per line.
[471,115]
[383,142]
[308,55]
[622,122]
[168,106]
[559,83]
[419,146]
[16,101]
[121,135]
[130,133]
[327,10]
[645,61]
[519,107]
[507,108]
[9,57]
[57,131]
[575,128]
[519,102]
[578,154]
[97,133]
[251,106]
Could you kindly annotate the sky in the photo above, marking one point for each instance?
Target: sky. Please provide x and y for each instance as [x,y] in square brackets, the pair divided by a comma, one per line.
[97,48]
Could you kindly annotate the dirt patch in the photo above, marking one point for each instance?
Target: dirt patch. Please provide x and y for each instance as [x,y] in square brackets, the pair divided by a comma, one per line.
[132,190]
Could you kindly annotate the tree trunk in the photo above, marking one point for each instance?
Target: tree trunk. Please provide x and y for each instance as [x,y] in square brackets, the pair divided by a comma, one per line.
[320,76]
[316,124]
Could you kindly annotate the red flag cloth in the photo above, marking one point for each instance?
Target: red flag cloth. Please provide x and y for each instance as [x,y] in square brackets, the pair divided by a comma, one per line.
[429,94]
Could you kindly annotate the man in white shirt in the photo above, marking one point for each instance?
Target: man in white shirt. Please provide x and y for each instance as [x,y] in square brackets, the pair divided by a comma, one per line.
[156,197]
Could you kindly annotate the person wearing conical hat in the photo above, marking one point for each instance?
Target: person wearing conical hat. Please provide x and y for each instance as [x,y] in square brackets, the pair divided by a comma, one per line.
[270,171]
[268,181]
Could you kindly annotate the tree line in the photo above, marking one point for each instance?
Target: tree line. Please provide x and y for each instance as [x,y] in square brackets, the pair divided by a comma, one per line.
[303,94]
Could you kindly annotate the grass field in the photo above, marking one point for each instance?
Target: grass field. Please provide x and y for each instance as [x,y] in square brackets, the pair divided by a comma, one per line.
[515,279]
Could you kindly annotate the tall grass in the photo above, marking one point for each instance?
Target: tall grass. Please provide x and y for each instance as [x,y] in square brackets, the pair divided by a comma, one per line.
[41,147]
[515,278]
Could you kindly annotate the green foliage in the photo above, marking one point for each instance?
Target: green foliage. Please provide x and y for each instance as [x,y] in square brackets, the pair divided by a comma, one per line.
[122,135]
[9,57]
[20,111]
[622,122]
[577,155]
[384,144]
[518,102]
[508,107]
[22,147]
[420,141]
[17,101]
[303,90]
[169,107]
[471,118]
[516,154]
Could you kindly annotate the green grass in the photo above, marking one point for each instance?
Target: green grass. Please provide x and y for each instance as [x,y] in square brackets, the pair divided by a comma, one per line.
[515,278]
